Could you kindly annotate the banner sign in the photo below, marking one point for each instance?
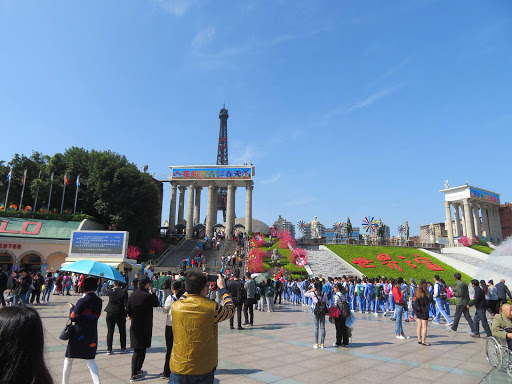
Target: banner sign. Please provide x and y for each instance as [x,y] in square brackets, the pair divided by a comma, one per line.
[231,173]
[98,244]
[486,196]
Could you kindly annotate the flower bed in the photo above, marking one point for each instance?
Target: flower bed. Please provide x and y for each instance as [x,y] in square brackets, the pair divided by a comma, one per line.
[396,262]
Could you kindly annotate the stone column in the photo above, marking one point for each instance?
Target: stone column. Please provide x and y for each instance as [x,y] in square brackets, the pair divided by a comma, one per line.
[230,209]
[458,229]
[190,213]
[172,210]
[197,206]
[209,213]
[248,207]
[498,224]
[492,226]
[181,205]
[215,199]
[478,227]
[468,220]
[485,221]
[449,226]
[463,220]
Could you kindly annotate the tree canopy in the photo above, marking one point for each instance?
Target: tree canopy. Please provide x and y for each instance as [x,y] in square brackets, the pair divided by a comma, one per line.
[112,189]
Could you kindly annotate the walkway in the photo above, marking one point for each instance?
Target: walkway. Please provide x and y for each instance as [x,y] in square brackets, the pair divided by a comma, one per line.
[278,349]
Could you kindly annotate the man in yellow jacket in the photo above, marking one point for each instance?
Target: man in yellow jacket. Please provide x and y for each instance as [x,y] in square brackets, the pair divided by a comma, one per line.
[194,354]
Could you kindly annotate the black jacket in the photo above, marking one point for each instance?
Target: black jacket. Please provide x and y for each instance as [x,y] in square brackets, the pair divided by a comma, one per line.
[502,291]
[233,291]
[140,309]
[479,300]
[3,281]
[23,285]
[117,301]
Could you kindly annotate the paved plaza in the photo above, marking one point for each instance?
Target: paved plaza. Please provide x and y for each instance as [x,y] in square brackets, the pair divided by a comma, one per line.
[279,349]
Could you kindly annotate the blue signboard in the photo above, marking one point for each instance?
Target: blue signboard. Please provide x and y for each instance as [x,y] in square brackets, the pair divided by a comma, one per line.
[231,173]
[486,196]
[98,243]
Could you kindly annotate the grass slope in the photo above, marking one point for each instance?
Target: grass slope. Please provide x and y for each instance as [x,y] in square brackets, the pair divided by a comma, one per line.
[481,248]
[351,252]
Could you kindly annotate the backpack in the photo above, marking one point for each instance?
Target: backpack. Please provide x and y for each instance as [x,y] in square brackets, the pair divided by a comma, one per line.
[166,283]
[386,288]
[257,294]
[241,294]
[372,292]
[380,292]
[449,293]
[359,289]
[345,310]
[269,292]
[443,295]
[320,307]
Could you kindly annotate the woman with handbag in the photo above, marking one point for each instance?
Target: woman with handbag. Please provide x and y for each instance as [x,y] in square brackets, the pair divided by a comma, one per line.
[317,296]
[339,322]
[83,342]
[421,302]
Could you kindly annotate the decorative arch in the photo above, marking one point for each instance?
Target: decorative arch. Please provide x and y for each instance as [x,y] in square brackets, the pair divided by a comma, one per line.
[55,260]
[6,252]
[35,253]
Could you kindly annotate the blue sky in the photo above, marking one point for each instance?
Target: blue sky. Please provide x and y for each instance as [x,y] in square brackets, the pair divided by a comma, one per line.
[345,108]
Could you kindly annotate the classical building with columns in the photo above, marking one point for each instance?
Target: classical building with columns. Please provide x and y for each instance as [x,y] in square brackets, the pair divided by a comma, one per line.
[213,177]
[472,212]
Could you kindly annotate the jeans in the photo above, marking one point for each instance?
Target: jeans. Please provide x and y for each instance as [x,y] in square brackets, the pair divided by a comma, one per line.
[319,322]
[392,302]
[169,339]
[112,320]
[399,310]
[20,299]
[238,307]
[137,360]
[380,304]
[480,316]
[341,331]
[370,304]
[249,311]
[192,379]
[46,292]
[160,295]
[360,302]
[440,311]
[459,310]
[270,303]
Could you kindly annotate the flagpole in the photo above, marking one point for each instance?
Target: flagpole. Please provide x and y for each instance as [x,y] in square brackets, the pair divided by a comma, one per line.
[37,191]
[8,187]
[23,189]
[63,193]
[50,195]
[76,194]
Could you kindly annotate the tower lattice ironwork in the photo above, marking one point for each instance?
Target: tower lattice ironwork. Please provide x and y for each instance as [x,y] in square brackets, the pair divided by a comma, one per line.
[222,157]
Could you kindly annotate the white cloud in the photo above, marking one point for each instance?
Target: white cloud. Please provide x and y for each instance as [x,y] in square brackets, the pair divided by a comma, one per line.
[175,7]
[241,154]
[372,99]
[271,180]
[203,37]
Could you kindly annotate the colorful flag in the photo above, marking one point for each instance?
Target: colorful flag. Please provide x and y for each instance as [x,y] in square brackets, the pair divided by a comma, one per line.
[9,175]
[78,181]
[66,180]
[23,178]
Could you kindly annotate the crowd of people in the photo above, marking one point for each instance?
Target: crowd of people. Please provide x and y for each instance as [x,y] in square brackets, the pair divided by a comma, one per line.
[194,305]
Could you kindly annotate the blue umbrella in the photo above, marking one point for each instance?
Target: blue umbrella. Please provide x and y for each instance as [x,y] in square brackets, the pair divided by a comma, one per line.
[95,268]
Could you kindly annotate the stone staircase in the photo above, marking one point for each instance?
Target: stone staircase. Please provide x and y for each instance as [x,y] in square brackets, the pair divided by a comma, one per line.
[173,258]
[323,262]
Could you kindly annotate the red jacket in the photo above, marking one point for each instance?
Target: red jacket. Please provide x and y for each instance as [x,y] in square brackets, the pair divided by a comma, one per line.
[398,296]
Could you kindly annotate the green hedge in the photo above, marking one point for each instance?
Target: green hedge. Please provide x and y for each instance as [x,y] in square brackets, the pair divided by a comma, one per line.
[481,248]
[46,216]
[351,252]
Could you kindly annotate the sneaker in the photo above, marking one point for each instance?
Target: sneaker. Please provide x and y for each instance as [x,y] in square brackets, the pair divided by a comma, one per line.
[162,376]
[451,330]
[110,353]
[400,337]
[393,319]
[474,335]
[315,346]
[384,314]
[245,324]
[449,324]
[231,327]
[411,318]
[336,345]
[138,377]
[406,320]
[321,346]
[240,328]
[376,314]
[123,351]
[405,337]
[436,322]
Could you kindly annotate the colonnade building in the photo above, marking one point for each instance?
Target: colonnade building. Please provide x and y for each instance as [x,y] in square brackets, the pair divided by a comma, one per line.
[476,212]
[212,177]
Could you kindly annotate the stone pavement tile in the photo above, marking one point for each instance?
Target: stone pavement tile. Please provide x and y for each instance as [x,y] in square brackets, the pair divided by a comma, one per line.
[429,375]
[390,368]
[263,364]
[447,361]
[125,369]
[454,378]
[367,376]
[316,377]
[243,359]
[339,356]
[341,369]
[482,366]
[315,363]
[292,358]
[288,370]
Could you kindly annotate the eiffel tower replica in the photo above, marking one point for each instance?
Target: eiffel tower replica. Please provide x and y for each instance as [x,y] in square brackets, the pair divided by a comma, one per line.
[222,157]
